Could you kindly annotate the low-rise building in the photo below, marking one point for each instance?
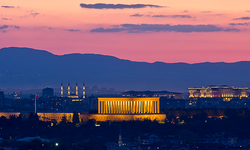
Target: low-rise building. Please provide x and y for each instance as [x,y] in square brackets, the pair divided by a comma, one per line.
[166,94]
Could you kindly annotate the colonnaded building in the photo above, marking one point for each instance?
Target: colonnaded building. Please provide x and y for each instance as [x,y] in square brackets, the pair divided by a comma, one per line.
[109,109]
[225,92]
[127,109]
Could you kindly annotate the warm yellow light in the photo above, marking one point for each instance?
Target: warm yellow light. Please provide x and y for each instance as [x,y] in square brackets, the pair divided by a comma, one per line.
[149,105]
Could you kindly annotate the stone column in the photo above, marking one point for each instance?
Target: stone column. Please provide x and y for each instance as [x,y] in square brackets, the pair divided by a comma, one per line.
[119,107]
[158,109]
[155,107]
[139,107]
[113,111]
[136,107]
[125,107]
[101,107]
[109,107]
[145,107]
[116,107]
[133,107]
[150,107]
[122,105]
[106,107]
[99,103]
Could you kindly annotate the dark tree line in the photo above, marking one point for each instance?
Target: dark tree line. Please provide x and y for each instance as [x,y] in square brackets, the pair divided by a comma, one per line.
[178,123]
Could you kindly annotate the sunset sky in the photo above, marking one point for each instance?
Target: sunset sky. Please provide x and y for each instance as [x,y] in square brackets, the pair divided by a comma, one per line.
[190,31]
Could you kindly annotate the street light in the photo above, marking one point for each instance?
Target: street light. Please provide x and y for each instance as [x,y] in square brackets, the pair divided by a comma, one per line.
[56,145]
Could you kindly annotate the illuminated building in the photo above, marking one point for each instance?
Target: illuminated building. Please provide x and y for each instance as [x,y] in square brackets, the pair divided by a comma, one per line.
[225,92]
[84,117]
[72,94]
[57,116]
[127,109]
[110,109]
[166,94]
[8,114]
[47,92]
[145,105]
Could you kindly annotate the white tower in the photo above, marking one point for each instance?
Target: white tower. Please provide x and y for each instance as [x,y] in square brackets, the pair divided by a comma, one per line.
[76,89]
[68,89]
[83,90]
[61,90]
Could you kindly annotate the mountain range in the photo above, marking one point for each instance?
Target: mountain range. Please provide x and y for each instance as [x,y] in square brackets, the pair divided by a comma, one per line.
[31,68]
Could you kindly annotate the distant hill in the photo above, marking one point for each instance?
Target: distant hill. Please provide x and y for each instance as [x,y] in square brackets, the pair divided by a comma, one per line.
[30,68]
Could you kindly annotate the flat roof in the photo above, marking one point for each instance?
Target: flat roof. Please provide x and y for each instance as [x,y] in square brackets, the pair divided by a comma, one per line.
[150,92]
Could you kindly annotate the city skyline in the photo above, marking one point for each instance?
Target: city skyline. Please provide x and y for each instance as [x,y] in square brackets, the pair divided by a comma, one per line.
[133,75]
[168,31]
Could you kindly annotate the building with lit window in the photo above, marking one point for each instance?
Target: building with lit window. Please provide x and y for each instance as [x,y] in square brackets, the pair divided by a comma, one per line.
[225,92]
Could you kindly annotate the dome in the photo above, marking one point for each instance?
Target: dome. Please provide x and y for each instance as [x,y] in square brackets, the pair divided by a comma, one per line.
[122,148]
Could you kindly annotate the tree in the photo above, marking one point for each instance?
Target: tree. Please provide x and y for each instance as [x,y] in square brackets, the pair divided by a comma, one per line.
[33,117]
[75,118]
[3,122]
[64,119]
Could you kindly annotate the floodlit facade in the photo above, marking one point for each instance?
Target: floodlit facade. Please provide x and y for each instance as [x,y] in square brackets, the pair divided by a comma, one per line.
[147,105]
[109,109]
[140,117]
[225,92]
[128,109]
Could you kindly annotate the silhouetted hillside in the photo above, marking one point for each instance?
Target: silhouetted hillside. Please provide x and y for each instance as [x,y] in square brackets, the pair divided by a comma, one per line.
[30,68]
